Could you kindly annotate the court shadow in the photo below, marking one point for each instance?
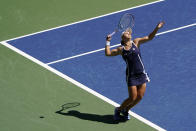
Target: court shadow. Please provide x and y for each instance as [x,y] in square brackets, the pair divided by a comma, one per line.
[108,119]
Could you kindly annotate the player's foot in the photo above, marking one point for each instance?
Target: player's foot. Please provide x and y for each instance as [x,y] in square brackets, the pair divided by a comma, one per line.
[126,115]
[116,114]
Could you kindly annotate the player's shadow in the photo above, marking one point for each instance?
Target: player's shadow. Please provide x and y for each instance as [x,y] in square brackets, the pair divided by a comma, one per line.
[108,119]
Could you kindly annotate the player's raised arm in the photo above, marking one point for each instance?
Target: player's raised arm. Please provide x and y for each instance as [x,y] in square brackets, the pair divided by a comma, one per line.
[113,52]
[139,41]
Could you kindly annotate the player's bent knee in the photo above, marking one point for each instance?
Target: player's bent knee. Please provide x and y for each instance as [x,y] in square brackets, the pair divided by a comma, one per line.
[140,96]
[132,98]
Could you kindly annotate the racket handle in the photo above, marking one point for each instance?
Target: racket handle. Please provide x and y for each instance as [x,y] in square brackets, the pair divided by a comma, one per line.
[113,33]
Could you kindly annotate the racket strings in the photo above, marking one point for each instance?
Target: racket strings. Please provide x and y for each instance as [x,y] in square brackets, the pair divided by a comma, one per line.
[126,21]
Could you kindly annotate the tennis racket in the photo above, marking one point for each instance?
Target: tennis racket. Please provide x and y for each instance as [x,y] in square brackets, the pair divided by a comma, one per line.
[126,21]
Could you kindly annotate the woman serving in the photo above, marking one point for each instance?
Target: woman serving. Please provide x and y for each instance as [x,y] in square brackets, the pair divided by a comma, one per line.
[136,77]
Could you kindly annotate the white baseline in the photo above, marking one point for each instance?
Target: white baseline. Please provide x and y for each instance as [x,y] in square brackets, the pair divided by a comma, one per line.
[80,85]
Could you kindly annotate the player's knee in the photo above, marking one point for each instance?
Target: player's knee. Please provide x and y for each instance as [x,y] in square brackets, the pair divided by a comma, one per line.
[140,96]
[133,97]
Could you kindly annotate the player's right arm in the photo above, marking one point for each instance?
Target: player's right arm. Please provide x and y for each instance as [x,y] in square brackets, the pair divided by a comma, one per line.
[113,52]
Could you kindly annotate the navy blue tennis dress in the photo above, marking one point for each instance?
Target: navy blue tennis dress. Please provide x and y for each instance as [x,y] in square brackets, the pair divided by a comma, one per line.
[135,72]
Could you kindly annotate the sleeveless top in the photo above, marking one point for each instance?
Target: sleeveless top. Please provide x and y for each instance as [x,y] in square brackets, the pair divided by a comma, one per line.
[133,60]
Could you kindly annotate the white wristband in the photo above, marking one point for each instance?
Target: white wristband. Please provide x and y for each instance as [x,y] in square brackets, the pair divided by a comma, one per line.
[107,43]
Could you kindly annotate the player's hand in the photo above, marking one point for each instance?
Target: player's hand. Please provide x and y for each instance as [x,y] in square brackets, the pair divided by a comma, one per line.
[108,38]
[160,25]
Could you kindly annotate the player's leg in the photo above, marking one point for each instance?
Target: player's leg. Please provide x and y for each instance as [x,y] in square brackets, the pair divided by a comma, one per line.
[140,93]
[132,97]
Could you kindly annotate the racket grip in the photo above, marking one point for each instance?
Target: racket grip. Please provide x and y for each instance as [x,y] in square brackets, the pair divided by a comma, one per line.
[112,33]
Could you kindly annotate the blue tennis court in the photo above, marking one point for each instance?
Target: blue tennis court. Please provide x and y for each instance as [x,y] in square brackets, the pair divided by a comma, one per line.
[169,59]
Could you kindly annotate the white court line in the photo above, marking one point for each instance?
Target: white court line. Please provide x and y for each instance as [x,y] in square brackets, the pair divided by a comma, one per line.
[179,28]
[74,81]
[64,59]
[80,85]
[161,33]
[84,20]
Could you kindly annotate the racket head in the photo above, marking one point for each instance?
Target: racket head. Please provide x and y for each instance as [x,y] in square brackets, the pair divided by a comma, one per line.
[126,21]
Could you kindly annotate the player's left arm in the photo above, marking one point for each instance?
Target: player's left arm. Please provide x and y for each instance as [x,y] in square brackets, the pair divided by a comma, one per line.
[139,41]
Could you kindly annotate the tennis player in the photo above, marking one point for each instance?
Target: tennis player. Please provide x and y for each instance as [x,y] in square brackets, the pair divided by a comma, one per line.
[136,77]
